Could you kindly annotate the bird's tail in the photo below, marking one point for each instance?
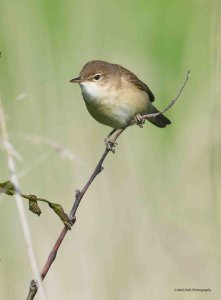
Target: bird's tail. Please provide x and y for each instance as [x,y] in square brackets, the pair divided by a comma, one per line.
[160,121]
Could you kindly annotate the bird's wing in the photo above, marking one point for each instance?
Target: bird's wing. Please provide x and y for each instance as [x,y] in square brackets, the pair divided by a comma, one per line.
[137,82]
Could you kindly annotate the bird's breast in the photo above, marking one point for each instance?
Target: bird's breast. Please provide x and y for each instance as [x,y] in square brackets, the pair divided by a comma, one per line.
[114,106]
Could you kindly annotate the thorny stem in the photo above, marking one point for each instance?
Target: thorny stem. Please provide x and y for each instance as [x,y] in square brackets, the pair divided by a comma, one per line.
[33,288]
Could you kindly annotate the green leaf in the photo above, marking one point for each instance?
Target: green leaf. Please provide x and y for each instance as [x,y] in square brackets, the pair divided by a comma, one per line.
[58,209]
[33,205]
[7,188]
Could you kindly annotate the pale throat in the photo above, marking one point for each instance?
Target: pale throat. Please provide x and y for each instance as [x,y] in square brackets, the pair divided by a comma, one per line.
[94,92]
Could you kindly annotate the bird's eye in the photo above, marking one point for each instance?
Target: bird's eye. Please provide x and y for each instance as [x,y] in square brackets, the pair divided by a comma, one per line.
[97,77]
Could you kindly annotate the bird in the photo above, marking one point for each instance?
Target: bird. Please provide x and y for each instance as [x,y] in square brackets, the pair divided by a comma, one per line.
[114,96]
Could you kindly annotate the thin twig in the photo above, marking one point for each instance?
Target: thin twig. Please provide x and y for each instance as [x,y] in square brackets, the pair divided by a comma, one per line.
[22,217]
[79,195]
[30,197]
[146,117]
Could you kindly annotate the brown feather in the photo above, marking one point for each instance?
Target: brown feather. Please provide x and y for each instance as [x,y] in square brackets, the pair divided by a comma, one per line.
[131,77]
[96,66]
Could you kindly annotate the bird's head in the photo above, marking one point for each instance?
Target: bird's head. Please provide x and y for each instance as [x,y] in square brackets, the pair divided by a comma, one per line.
[97,77]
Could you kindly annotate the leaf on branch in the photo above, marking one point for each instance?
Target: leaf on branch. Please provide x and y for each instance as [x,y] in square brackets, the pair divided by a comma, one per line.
[7,188]
[33,205]
[58,209]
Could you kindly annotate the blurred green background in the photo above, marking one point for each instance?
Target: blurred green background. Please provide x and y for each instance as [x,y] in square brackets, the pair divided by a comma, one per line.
[150,222]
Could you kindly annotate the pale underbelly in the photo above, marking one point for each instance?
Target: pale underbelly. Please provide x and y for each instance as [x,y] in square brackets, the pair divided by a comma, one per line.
[116,114]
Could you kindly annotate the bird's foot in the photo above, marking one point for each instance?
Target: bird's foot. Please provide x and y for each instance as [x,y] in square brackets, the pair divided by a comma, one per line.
[110,145]
[139,121]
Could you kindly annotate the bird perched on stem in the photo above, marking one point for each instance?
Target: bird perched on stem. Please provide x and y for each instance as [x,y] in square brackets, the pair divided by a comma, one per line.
[114,96]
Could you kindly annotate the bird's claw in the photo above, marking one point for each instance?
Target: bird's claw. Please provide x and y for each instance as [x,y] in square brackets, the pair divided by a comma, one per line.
[110,145]
[139,120]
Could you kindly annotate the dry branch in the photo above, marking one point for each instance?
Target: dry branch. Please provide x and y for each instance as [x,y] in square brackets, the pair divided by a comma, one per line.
[33,288]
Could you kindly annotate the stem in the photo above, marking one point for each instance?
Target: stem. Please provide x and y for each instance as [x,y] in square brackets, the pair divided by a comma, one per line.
[80,194]
[30,197]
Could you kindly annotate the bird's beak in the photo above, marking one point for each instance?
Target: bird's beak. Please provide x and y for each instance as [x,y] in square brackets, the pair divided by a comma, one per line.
[76,80]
